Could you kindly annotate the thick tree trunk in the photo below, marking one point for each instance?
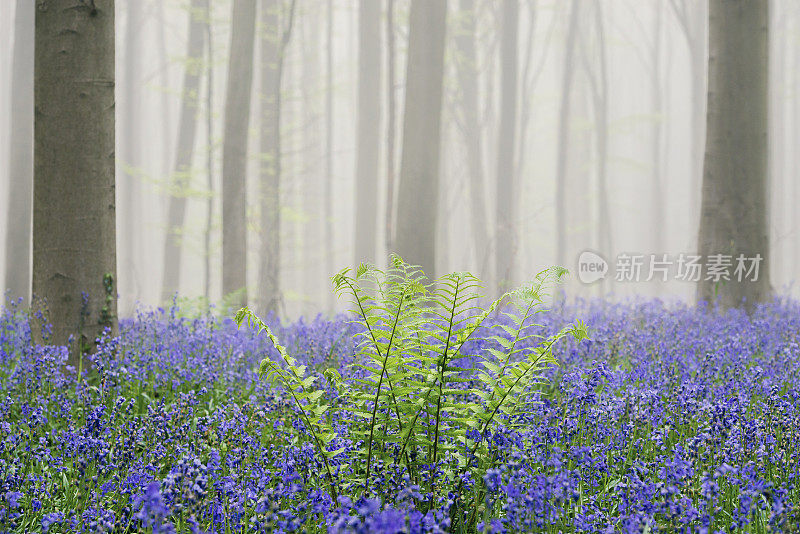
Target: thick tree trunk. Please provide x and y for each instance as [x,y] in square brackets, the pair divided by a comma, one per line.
[74,247]
[368,130]
[187,125]
[563,136]
[467,72]
[20,175]
[419,167]
[505,208]
[734,205]
[234,151]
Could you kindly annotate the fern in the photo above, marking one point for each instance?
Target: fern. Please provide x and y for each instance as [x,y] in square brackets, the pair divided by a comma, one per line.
[410,406]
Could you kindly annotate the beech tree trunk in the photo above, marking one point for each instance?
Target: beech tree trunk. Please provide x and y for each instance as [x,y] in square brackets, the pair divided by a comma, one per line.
[234,151]
[270,165]
[74,247]
[18,217]
[467,72]
[182,175]
[273,50]
[130,197]
[734,202]
[563,136]
[368,130]
[505,208]
[417,202]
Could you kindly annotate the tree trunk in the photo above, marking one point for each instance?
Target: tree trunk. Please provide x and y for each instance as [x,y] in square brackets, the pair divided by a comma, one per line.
[74,247]
[20,175]
[467,72]
[182,173]
[419,166]
[270,161]
[563,136]
[601,129]
[130,198]
[209,152]
[328,200]
[390,127]
[734,204]
[505,208]
[368,130]
[273,51]
[656,90]
[234,151]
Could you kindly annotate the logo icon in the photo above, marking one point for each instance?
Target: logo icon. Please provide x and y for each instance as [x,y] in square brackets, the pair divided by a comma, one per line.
[591,267]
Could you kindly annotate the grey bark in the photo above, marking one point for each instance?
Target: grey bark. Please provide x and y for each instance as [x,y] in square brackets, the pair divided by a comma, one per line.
[20,172]
[390,127]
[166,115]
[187,125]
[327,229]
[505,207]
[130,199]
[74,248]
[273,50]
[419,167]
[734,202]
[209,152]
[234,151]
[467,72]
[368,130]
[270,161]
[563,135]
[656,88]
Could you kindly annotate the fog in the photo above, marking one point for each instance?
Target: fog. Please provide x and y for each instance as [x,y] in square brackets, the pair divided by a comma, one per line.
[624,151]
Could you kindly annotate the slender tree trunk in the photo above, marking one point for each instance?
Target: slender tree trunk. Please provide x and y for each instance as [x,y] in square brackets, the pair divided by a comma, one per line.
[505,208]
[601,110]
[734,208]
[234,151]
[563,136]
[209,152]
[314,278]
[419,167]
[182,174]
[656,89]
[699,54]
[130,198]
[328,211]
[273,51]
[74,247]
[270,166]
[166,116]
[368,130]
[20,171]
[390,127]
[467,72]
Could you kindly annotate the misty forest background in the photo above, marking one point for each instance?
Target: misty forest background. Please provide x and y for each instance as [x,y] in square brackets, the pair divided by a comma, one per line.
[565,125]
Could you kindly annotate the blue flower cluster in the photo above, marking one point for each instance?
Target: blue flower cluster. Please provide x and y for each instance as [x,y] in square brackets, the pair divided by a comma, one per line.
[670,419]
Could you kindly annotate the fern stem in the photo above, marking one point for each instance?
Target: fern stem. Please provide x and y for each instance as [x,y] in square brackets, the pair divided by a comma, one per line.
[442,365]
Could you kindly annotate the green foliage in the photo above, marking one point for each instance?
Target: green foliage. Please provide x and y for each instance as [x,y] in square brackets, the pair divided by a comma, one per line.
[410,405]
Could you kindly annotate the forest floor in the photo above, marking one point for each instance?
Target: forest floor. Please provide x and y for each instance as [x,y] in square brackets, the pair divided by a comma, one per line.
[669,418]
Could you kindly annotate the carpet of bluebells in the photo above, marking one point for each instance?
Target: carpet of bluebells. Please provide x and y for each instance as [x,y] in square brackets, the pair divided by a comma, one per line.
[669,419]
